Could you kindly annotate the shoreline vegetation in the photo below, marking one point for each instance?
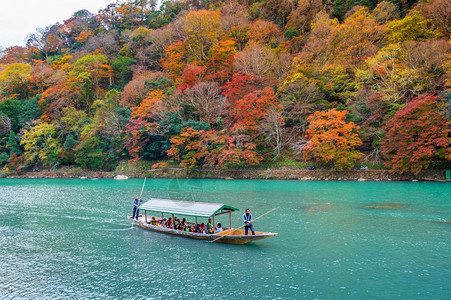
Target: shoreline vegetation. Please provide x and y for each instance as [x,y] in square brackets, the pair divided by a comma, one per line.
[276,172]
[223,89]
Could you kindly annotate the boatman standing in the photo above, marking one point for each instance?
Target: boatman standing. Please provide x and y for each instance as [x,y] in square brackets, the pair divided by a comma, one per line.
[247,219]
[136,202]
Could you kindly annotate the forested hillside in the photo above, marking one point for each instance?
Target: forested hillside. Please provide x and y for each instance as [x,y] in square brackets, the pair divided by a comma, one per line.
[232,83]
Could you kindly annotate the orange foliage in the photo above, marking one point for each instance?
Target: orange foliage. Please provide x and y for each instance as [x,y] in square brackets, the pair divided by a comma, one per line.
[331,139]
[151,105]
[263,31]
[174,62]
[84,35]
[197,147]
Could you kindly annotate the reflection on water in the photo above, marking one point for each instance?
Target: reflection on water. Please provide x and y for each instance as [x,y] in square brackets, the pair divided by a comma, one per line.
[66,239]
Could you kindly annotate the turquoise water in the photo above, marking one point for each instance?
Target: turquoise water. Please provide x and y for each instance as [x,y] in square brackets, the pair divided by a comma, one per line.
[63,239]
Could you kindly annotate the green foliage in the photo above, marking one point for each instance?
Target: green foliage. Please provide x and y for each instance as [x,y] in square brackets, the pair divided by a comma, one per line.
[90,156]
[12,109]
[4,158]
[30,110]
[12,144]
[290,33]
[70,142]
[121,67]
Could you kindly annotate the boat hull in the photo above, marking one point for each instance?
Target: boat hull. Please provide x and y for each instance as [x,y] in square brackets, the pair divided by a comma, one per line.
[234,236]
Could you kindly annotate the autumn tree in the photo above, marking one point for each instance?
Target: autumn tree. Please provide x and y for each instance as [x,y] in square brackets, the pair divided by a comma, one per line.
[194,148]
[41,144]
[143,123]
[174,62]
[439,12]
[14,79]
[332,139]
[384,12]
[262,61]
[102,140]
[250,111]
[418,133]
[220,60]
[206,101]
[357,38]
[63,94]
[411,28]
[95,72]
[47,40]
[202,29]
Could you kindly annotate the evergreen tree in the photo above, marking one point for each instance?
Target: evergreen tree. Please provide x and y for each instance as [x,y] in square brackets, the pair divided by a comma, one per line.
[12,144]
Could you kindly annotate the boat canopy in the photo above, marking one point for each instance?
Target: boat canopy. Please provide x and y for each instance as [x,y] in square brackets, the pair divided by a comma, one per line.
[187,208]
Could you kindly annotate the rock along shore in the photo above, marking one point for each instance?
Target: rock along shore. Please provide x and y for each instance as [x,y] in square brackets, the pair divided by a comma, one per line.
[282,173]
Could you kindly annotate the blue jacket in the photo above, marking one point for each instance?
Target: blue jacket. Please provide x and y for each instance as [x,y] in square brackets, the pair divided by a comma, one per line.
[136,202]
[247,218]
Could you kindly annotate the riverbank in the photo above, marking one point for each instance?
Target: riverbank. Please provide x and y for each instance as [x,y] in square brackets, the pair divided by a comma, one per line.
[280,173]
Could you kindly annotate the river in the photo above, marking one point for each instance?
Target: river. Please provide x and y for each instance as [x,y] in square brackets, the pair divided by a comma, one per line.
[70,239]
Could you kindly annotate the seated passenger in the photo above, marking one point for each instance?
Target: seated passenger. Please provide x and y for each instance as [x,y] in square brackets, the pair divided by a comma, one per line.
[203,228]
[182,224]
[210,227]
[218,228]
[169,223]
[153,221]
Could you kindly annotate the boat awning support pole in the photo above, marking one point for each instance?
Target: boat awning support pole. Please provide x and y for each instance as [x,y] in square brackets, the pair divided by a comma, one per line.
[230,218]
[173,222]
[145,213]
[214,224]
[196,221]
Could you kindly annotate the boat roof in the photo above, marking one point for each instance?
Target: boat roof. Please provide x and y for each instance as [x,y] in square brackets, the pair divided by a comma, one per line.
[187,208]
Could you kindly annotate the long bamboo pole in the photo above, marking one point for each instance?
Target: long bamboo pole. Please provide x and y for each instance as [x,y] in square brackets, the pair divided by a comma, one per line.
[140,195]
[223,235]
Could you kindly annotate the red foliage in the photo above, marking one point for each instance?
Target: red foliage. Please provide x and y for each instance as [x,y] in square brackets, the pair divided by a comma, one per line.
[417,133]
[192,74]
[14,163]
[248,112]
[143,122]
[241,85]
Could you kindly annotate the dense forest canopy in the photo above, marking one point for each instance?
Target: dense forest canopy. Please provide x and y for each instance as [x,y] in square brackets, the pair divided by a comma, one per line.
[231,83]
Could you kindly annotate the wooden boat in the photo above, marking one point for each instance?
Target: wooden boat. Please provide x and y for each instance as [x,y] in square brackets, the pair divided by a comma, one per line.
[195,209]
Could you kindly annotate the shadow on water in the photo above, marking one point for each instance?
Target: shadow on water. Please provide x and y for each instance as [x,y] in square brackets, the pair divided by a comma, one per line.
[311,208]
[386,205]
[441,222]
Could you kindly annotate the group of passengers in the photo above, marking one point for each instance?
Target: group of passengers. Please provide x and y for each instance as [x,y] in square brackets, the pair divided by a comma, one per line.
[183,225]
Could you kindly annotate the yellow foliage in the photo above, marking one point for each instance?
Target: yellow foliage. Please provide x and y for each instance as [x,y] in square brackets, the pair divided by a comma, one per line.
[203,29]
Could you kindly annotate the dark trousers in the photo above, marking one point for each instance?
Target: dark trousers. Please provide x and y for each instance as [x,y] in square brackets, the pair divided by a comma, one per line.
[135,212]
[247,227]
